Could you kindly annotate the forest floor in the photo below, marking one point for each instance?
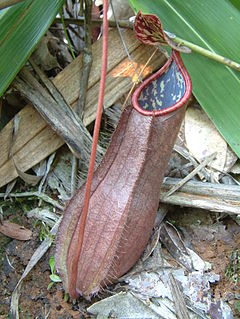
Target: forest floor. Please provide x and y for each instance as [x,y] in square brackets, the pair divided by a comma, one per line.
[212,239]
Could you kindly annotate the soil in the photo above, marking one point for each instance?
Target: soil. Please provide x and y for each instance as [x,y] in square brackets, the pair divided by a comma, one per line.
[217,242]
[213,239]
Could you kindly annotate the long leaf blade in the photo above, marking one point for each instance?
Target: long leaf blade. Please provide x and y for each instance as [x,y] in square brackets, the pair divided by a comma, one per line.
[214,25]
[21,28]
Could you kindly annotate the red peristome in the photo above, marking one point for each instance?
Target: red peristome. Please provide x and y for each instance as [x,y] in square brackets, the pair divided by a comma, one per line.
[175,56]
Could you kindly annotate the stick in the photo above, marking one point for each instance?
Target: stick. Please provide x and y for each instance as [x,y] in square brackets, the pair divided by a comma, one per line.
[42,196]
[87,58]
[66,35]
[214,197]
[193,173]
[221,191]
[178,299]
[184,153]
[97,22]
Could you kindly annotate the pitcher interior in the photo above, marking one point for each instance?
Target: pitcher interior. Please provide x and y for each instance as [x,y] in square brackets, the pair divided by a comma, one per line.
[164,91]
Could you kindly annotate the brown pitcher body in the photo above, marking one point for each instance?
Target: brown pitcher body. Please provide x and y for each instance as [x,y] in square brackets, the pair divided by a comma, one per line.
[125,189]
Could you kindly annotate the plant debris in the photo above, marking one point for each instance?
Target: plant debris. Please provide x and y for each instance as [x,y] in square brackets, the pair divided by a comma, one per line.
[15,231]
[192,259]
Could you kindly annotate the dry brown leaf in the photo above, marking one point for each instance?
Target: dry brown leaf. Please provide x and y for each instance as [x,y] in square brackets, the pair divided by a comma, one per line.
[15,231]
[203,139]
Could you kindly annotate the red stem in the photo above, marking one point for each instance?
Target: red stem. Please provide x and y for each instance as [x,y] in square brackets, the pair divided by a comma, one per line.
[99,113]
[73,279]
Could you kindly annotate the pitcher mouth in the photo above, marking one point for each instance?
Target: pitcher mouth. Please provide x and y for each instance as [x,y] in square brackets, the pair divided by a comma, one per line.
[166,90]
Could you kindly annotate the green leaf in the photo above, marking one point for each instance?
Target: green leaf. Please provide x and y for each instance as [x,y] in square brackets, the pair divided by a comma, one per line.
[50,285]
[21,28]
[236,306]
[55,278]
[213,25]
[52,264]
[66,297]
[235,3]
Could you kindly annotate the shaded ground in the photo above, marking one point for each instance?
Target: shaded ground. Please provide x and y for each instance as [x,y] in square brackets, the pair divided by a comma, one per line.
[213,240]
[216,241]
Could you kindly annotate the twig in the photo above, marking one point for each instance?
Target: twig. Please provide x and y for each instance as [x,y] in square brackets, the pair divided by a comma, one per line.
[1,108]
[221,191]
[28,178]
[66,35]
[204,195]
[74,173]
[87,58]
[45,215]
[180,306]
[204,202]
[80,13]
[55,110]
[48,167]
[193,173]
[42,196]
[184,153]
[97,22]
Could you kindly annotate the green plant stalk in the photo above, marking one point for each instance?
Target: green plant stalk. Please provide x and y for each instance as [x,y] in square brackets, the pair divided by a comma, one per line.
[80,13]
[177,40]
[66,35]
[207,53]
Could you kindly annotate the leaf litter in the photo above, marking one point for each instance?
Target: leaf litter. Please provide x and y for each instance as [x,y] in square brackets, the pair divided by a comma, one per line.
[147,291]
